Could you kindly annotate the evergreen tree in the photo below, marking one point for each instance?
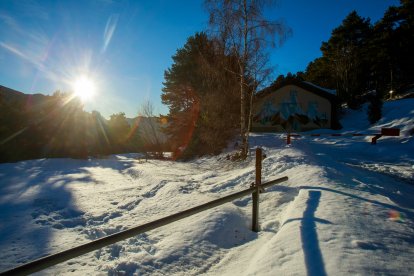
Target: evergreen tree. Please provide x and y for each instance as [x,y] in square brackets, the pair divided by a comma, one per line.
[359,57]
[383,53]
[98,135]
[179,92]
[319,73]
[202,97]
[119,131]
[405,37]
[346,52]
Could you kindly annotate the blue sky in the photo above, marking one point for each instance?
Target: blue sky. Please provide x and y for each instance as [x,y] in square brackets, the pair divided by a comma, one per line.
[125,46]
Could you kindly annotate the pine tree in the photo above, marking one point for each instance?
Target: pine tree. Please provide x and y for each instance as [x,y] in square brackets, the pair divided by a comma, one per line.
[119,131]
[202,98]
[319,73]
[346,52]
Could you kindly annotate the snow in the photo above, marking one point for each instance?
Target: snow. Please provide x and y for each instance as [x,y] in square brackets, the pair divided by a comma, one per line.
[347,208]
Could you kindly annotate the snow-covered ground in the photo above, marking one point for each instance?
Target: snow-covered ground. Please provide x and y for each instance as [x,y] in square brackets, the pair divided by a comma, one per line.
[346,209]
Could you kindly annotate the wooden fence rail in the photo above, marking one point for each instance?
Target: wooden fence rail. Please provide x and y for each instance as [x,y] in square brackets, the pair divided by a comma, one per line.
[66,255]
[375,136]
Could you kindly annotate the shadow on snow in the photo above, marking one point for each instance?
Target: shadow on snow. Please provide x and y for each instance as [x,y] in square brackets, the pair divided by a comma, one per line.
[36,203]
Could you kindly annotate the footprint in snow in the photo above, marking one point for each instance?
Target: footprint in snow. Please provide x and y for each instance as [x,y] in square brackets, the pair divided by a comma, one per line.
[366,245]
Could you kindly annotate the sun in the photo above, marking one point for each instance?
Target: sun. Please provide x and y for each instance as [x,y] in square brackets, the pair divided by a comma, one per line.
[84,88]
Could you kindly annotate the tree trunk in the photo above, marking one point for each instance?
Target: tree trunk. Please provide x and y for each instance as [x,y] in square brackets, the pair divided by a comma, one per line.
[243,132]
[249,117]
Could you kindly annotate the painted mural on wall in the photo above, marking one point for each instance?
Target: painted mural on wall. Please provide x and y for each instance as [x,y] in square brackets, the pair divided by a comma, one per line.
[291,115]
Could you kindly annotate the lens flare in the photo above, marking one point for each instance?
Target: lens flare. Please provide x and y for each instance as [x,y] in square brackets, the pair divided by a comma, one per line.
[395,216]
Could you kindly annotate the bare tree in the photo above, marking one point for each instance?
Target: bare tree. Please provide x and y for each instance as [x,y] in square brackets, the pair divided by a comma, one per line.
[245,32]
[149,127]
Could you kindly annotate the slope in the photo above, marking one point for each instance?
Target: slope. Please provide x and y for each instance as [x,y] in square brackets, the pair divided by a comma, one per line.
[346,209]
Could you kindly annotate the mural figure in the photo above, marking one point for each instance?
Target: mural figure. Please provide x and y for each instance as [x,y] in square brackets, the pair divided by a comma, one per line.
[290,114]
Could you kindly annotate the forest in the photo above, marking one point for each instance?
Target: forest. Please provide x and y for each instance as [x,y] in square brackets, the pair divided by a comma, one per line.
[38,126]
[210,87]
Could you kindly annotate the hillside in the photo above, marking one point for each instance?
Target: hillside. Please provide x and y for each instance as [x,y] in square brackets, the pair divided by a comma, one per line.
[9,95]
[346,209]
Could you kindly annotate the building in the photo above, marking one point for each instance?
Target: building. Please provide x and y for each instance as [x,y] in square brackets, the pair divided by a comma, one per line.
[294,106]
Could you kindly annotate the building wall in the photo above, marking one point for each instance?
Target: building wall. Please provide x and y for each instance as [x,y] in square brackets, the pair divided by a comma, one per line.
[291,108]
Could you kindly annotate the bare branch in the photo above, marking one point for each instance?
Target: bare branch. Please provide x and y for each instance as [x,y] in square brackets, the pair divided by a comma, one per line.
[246,34]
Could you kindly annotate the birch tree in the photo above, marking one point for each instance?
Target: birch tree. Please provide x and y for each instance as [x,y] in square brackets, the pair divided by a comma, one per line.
[149,127]
[246,33]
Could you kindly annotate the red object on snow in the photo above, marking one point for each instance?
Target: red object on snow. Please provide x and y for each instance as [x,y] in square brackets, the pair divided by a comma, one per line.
[390,131]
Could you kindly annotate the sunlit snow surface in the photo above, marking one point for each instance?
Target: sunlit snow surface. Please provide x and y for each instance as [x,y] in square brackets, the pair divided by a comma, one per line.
[347,208]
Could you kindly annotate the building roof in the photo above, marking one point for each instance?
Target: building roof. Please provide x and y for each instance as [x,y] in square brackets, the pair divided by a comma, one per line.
[328,94]
[330,91]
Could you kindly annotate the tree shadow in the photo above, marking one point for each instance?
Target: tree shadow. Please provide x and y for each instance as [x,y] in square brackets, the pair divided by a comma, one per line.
[35,204]
[345,168]
[313,257]
[408,213]
[117,162]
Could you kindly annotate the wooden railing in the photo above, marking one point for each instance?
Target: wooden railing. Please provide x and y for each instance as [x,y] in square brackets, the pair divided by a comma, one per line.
[66,255]
[376,136]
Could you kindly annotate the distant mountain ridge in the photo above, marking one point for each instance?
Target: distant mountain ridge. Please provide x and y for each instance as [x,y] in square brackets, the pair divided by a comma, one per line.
[9,96]
[149,128]
[4,91]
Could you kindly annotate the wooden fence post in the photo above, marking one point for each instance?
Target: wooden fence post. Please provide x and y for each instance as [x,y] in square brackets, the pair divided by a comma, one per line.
[375,138]
[255,194]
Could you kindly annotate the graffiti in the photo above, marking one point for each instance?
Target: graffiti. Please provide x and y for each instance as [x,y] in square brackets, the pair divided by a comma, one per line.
[290,114]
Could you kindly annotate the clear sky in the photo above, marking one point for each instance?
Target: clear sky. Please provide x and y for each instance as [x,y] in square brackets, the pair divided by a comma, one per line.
[125,46]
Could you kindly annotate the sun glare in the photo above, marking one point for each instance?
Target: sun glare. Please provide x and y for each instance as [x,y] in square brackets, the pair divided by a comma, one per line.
[84,88]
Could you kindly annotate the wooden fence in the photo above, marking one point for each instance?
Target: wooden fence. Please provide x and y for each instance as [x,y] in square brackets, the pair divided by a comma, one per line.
[376,136]
[66,255]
